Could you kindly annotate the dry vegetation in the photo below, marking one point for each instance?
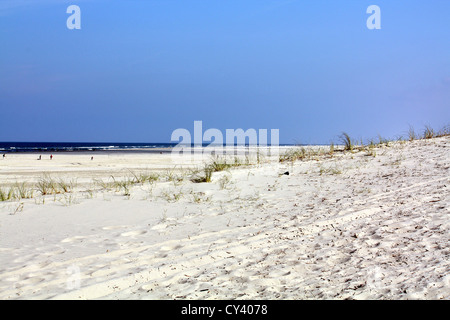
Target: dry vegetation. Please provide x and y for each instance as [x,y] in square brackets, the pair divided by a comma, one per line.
[49,186]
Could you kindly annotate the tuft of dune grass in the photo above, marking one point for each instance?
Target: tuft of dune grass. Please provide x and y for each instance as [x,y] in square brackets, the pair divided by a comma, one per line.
[346,141]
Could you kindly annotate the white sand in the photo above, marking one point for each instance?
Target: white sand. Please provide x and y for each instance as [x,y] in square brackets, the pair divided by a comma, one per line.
[350,226]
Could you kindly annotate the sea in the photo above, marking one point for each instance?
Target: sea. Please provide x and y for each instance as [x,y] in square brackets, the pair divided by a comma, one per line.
[9,147]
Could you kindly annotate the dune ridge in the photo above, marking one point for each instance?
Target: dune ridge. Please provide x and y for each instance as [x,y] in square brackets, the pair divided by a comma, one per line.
[355,225]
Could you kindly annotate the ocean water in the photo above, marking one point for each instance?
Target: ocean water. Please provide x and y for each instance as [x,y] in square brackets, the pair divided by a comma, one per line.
[6,147]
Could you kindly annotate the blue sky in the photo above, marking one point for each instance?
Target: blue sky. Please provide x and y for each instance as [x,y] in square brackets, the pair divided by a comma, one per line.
[139,69]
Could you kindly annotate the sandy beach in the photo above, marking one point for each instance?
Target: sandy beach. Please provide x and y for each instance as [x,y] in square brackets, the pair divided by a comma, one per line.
[368,224]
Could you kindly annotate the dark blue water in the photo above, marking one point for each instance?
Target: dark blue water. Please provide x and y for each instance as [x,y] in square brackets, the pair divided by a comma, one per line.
[6,147]
[76,146]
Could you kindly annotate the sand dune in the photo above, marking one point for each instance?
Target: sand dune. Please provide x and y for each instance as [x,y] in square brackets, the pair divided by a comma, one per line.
[347,226]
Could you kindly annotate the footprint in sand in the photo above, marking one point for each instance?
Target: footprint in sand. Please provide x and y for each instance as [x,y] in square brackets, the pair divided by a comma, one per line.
[159,226]
[171,247]
[26,258]
[32,280]
[114,227]
[73,239]
[133,233]
[149,287]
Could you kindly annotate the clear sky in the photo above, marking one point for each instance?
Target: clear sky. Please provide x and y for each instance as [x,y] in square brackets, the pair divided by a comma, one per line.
[139,69]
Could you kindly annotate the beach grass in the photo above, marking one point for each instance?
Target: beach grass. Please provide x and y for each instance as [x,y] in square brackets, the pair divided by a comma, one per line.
[445,131]
[293,155]
[23,191]
[17,191]
[5,194]
[349,144]
[199,176]
[66,186]
[428,132]
[412,134]
[47,185]
[173,195]
[346,141]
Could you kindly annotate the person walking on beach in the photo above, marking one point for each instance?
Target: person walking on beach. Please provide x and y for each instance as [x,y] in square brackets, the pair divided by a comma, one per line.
[40,157]
[51,157]
[4,155]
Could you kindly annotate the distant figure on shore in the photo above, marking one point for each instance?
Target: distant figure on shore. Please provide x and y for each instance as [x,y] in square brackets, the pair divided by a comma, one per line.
[40,157]
[92,158]
[51,157]
[4,156]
